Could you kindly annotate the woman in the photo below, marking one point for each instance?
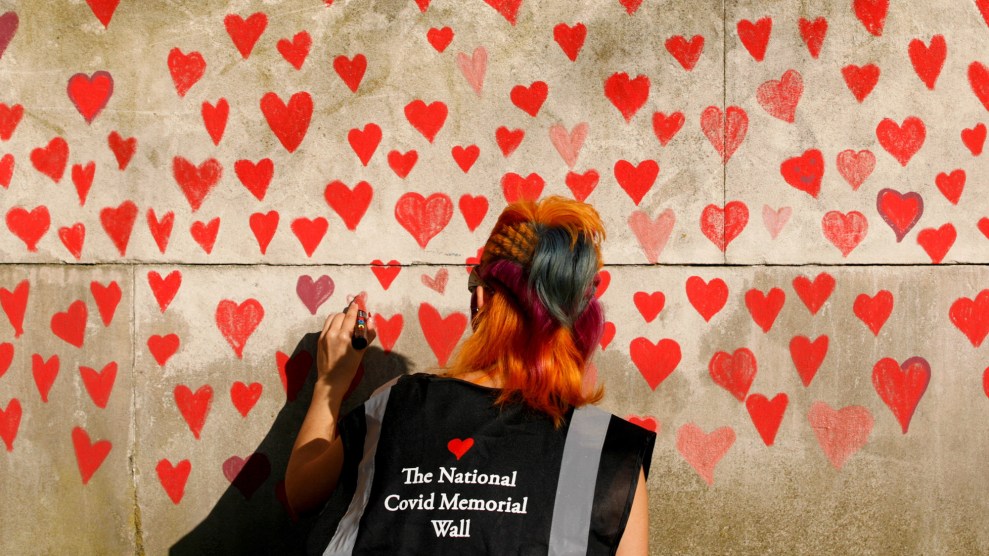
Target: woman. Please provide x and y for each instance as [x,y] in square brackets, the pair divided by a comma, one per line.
[504,453]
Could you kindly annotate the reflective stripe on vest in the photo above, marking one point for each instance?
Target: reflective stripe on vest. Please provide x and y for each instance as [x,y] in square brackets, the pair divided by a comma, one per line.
[578,474]
[345,536]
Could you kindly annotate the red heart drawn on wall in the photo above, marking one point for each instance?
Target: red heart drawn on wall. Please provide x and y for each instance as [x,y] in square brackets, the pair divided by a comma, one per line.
[162,348]
[655,361]
[29,226]
[928,60]
[608,334]
[780,98]
[530,99]
[473,208]
[215,118]
[844,231]
[82,179]
[402,163]
[721,226]
[974,138]
[123,149]
[296,50]
[904,140]
[90,93]
[351,70]
[647,422]
[628,95]
[89,455]
[951,185]
[289,122]
[423,217]
[99,384]
[755,36]
[725,131]
[630,5]
[901,385]
[442,333]
[196,182]
[73,237]
[582,185]
[840,433]
[815,293]
[365,141]
[570,38]
[971,316]
[764,308]
[856,167]
[813,32]
[103,10]
[14,304]
[186,69]
[507,8]
[256,176]
[350,204]
[872,14]
[460,447]
[874,310]
[8,27]
[684,51]
[244,396]
[937,241]
[237,322]
[293,371]
[427,119]
[264,226]
[860,79]
[51,159]
[703,451]
[164,289]
[652,234]
[978,78]
[118,222]
[245,33]
[516,188]
[6,356]
[107,298]
[204,233]
[194,407]
[465,157]
[44,373]
[767,414]
[10,421]
[636,180]
[440,38]
[666,127]
[70,325]
[385,273]
[6,170]
[314,293]
[508,139]
[310,232]
[247,475]
[173,478]
[807,356]
[437,283]
[734,372]
[900,210]
[389,329]
[804,172]
[707,298]
[649,304]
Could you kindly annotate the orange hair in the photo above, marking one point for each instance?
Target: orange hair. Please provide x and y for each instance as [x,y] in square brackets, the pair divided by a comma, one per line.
[540,321]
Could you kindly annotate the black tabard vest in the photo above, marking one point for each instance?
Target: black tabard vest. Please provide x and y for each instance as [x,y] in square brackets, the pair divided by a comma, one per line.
[433,467]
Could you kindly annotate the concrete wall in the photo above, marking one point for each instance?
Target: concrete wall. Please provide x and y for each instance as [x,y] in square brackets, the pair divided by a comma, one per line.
[797,299]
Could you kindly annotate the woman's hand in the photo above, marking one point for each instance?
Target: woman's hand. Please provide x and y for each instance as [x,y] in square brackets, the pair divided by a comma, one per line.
[336,359]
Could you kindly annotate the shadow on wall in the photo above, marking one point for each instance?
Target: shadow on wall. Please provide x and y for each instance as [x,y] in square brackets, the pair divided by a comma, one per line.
[250,517]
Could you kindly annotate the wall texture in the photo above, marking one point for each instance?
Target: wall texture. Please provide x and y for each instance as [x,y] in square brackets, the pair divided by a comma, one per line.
[797,286]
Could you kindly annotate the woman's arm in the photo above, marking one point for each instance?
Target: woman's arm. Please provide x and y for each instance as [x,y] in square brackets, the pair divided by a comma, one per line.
[317,456]
[635,539]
